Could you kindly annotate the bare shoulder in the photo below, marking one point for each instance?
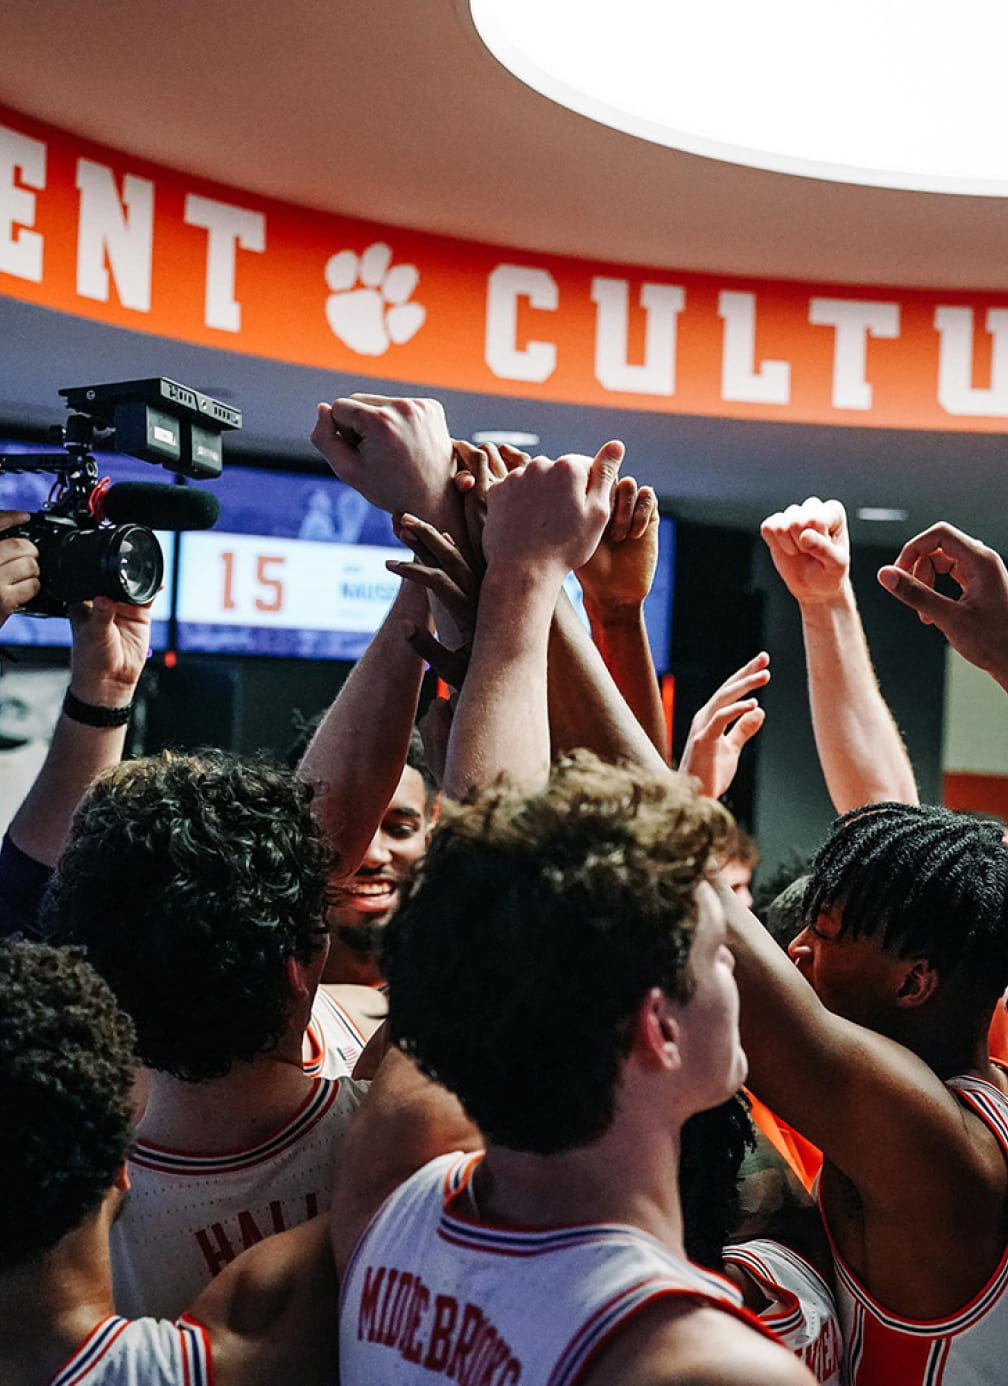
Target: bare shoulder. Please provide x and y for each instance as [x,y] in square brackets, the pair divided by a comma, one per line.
[404,1121]
[271,1314]
[678,1343]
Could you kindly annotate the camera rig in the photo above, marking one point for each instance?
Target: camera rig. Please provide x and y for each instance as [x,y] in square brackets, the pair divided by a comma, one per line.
[81,553]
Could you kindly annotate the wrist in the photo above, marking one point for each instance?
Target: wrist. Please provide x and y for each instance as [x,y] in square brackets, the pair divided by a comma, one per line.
[825,607]
[520,576]
[90,714]
[102,692]
[607,612]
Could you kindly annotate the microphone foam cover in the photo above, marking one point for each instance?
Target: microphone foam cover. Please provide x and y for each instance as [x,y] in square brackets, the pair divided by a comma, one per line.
[160,507]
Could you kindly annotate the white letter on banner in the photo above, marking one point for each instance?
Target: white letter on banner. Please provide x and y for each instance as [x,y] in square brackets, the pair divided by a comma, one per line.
[662,303]
[956,393]
[740,380]
[122,232]
[855,321]
[21,251]
[227,227]
[508,283]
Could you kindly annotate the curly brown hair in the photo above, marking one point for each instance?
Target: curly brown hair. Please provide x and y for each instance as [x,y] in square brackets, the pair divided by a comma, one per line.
[66,1069]
[191,880]
[531,933]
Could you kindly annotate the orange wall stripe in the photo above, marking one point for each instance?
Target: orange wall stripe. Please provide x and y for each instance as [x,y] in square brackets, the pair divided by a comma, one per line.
[975,793]
[98,233]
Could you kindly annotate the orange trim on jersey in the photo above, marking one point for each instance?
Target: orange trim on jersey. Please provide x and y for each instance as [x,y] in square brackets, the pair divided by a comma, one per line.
[314,1036]
[188,1321]
[81,1363]
[882,1347]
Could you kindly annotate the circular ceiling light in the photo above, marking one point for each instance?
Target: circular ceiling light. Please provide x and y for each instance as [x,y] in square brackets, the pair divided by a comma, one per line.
[891,93]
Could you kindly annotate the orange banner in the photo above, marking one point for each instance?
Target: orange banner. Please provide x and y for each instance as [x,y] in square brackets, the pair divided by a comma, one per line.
[100,234]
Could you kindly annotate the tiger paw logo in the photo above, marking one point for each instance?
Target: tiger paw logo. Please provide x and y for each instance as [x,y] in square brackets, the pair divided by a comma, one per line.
[369,308]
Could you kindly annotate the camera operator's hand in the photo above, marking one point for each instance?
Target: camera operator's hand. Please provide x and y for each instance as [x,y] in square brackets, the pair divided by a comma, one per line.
[110,644]
[19,568]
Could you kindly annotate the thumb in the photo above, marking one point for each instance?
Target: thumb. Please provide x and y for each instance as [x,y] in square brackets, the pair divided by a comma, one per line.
[604,470]
[819,546]
[931,606]
[747,726]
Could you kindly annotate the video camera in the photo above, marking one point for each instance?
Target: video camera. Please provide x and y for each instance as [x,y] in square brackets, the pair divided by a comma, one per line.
[94,538]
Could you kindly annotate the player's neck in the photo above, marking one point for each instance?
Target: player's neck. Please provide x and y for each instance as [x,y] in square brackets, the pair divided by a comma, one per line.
[950,1044]
[346,965]
[48,1307]
[611,1180]
[223,1114]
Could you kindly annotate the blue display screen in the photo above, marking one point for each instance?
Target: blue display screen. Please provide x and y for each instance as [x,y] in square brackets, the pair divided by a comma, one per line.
[294,567]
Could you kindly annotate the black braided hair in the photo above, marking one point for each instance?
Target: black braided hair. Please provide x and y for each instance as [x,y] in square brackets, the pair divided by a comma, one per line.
[924,881]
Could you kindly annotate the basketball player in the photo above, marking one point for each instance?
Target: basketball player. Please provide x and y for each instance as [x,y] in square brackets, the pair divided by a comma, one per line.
[197,886]
[66,1067]
[875,1047]
[558,1254]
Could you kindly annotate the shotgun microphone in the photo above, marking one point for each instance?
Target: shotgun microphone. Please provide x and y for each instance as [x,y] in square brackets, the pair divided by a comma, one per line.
[159,507]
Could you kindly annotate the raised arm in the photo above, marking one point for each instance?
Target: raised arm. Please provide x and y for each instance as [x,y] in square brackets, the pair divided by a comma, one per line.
[110,645]
[396,453]
[976,623]
[357,754]
[615,581]
[720,729]
[586,707]
[860,749]
[543,520]
[877,1111]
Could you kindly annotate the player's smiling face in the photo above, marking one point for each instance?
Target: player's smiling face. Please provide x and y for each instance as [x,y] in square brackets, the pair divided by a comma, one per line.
[365,902]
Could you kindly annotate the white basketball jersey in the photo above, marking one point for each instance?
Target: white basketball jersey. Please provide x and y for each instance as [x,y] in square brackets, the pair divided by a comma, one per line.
[186,1216]
[431,1294]
[142,1353]
[333,1042]
[969,1348]
[802,1311]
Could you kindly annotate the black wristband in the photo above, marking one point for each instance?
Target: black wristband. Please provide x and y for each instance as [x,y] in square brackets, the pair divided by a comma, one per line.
[92,716]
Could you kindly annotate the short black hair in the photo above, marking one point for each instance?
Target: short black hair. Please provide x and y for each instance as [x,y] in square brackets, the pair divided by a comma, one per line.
[712,1147]
[416,759]
[191,880]
[531,933]
[924,881]
[66,1071]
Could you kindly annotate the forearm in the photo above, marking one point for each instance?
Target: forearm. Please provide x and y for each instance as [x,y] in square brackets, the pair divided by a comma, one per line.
[357,754]
[501,725]
[77,754]
[586,706]
[860,748]
[622,640]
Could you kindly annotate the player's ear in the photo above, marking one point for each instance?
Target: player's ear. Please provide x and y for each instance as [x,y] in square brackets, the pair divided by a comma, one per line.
[657,1030]
[301,978]
[917,984]
[122,1178]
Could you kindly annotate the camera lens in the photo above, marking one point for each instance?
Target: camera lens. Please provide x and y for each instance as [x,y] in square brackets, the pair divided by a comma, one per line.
[140,563]
[123,562]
